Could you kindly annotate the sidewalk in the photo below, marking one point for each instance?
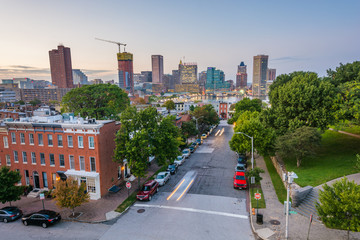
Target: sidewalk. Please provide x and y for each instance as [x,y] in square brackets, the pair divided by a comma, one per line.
[92,211]
[298,224]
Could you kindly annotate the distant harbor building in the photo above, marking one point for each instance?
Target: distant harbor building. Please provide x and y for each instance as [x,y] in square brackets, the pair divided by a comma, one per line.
[23,83]
[188,73]
[271,74]
[259,76]
[79,77]
[202,78]
[176,76]
[126,72]
[61,68]
[215,80]
[241,76]
[157,64]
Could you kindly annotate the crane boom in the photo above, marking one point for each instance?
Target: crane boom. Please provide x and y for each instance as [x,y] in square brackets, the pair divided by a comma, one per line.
[118,43]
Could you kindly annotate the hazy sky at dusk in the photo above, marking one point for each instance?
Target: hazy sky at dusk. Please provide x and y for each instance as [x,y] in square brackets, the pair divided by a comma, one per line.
[297,35]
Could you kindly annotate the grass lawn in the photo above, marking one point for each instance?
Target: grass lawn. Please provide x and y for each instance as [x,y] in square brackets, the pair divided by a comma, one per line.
[334,159]
[253,200]
[353,129]
[276,180]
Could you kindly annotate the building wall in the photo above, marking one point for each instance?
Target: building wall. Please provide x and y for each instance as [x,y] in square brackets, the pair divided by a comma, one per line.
[157,68]
[259,76]
[126,72]
[61,68]
[188,73]
[43,94]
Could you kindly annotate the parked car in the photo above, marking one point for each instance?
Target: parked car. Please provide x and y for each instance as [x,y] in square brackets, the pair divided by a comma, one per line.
[242,160]
[203,136]
[148,190]
[199,141]
[180,160]
[186,152]
[194,144]
[8,214]
[162,178]
[192,149]
[42,218]
[172,168]
[240,180]
[240,168]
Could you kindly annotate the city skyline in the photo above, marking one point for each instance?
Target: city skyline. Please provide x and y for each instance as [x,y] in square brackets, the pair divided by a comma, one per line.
[297,36]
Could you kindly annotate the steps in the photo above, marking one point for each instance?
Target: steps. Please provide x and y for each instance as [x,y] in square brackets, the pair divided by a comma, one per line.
[307,206]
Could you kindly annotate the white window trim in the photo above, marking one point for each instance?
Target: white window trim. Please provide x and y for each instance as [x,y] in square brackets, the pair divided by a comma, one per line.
[22,143]
[93,142]
[6,142]
[83,157]
[31,143]
[8,160]
[91,165]
[81,141]
[68,137]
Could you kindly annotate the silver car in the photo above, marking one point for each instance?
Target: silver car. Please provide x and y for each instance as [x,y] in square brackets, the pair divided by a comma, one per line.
[180,160]
[186,153]
[162,178]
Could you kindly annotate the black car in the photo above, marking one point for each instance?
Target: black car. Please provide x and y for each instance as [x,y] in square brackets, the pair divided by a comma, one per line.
[8,214]
[42,218]
[192,149]
[172,168]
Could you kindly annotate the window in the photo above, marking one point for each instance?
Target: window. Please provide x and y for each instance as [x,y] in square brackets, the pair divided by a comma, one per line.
[42,158]
[91,143]
[45,182]
[8,160]
[16,156]
[70,141]
[22,138]
[33,158]
[60,142]
[27,179]
[50,140]
[72,162]
[91,185]
[81,141]
[92,164]
[19,182]
[24,157]
[13,138]
[40,138]
[31,139]
[61,160]
[52,159]
[6,143]
[82,163]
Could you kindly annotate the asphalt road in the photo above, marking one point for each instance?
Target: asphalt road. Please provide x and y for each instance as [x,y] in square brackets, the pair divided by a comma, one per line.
[198,202]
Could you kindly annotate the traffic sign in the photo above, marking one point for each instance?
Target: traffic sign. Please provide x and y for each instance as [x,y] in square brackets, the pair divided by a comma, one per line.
[128,185]
[252,180]
[42,196]
[258,196]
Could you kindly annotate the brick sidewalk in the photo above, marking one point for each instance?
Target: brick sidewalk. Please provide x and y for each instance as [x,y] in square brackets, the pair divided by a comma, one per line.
[92,211]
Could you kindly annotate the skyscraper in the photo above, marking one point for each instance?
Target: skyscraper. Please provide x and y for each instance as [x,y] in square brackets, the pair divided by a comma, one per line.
[176,76]
[157,64]
[202,78]
[259,76]
[188,73]
[215,80]
[79,77]
[241,76]
[271,74]
[60,66]
[126,72]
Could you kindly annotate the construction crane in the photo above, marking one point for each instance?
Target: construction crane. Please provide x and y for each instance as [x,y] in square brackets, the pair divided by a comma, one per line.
[118,43]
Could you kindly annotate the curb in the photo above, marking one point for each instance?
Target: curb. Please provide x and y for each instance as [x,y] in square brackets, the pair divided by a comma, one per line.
[251,220]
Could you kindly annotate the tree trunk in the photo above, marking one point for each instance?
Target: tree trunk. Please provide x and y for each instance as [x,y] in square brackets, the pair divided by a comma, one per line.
[10,203]
[73,212]
[298,162]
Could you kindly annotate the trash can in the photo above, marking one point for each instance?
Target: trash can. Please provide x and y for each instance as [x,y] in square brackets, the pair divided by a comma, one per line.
[259,219]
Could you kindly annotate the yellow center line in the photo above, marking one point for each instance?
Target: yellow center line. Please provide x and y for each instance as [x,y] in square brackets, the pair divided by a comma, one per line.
[185,190]
[175,189]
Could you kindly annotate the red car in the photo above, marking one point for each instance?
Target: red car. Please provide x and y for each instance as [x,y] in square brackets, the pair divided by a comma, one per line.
[148,190]
[240,180]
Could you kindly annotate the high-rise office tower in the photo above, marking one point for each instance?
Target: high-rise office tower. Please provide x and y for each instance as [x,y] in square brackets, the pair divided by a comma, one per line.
[202,78]
[259,76]
[271,74]
[126,72]
[157,64]
[60,66]
[215,80]
[188,73]
[241,76]
[79,77]
[176,76]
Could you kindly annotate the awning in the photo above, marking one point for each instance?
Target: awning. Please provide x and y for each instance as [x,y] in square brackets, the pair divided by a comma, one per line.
[81,173]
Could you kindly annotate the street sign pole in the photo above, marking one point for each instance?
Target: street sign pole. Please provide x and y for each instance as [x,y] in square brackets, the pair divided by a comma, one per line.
[128,186]
[42,197]
[308,235]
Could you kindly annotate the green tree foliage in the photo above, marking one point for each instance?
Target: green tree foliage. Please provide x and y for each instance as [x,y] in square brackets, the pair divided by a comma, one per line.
[345,73]
[100,101]
[188,129]
[357,162]
[305,100]
[35,102]
[170,105]
[245,104]
[206,116]
[249,123]
[192,108]
[299,144]
[255,172]
[8,190]
[339,205]
[69,194]
[21,102]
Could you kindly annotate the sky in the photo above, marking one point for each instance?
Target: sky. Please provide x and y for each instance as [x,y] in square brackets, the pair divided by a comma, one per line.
[297,35]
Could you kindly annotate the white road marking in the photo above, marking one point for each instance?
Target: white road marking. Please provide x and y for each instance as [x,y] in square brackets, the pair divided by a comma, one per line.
[205,150]
[193,210]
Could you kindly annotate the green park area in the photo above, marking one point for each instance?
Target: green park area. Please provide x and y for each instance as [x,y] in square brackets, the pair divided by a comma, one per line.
[335,158]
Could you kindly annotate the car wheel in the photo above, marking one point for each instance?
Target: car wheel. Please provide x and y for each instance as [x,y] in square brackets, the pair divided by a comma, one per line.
[149,197]
[5,220]
[44,225]
[25,223]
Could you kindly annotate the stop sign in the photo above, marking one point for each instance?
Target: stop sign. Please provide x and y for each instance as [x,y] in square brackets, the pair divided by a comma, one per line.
[258,195]
[128,185]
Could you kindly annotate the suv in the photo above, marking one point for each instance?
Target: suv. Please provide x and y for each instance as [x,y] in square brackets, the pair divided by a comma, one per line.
[148,190]
[240,168]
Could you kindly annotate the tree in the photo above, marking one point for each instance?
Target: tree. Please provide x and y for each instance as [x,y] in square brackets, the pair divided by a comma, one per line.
[348,100]
[255,172]
[345,73]
[304,100]
[188,129]
[299,144]
[205,117]
[8,190]
[245,105]
[339,205]
[250,124]
[192,108]
[170,105]
[100,101]
[69,194]
[357,162]
[138,101]
[35,102]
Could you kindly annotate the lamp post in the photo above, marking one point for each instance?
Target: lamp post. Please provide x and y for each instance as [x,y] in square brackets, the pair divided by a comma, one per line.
[289,178]
[196,120]
[252,148]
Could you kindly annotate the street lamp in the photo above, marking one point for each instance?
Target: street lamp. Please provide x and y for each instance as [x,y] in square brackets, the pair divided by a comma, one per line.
[252,148]
[289,178]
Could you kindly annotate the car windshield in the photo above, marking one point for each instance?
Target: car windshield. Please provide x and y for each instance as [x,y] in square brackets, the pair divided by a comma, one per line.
[160,176]
[240,177]
[145,188]
[179,157]
[186,151]
[171,166]
[240,168]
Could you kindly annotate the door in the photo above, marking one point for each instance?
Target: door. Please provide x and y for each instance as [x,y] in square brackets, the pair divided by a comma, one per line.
[36,180]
